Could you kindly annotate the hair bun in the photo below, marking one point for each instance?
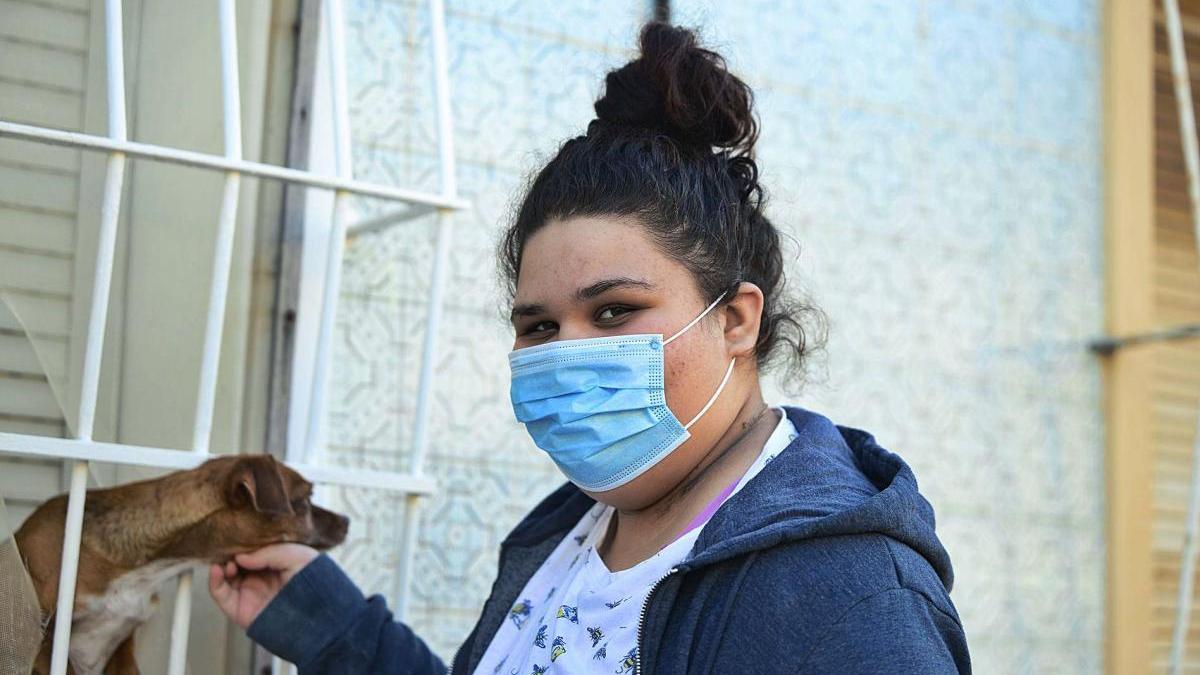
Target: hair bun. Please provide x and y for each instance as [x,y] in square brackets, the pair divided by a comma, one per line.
[681,89]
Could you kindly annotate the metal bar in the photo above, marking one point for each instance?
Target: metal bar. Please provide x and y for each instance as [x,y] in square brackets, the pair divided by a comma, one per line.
[210,360]
[164,458]
[441,262]
[65,606]
[1187,574]
[386,220]
[181,622]
[1108,345]
[368,478]
[314,441]
[110,216]
[290,242]
[441,73]
[226,225]
[110,211]
[1191,157]
[207,161]
[1187,115]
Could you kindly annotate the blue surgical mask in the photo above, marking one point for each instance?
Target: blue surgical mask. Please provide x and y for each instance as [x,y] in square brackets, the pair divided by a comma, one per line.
[598,405]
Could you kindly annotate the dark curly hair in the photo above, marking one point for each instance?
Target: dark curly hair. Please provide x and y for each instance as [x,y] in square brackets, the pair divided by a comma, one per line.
[673,146]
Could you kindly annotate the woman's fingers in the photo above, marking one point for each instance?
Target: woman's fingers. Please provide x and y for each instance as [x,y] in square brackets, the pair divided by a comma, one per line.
[216,578]
[287,559]
[276,557]
[243,586]
[218,587]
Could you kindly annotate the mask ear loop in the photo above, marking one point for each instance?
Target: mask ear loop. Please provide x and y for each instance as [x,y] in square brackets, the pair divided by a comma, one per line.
[693,321]
[728,372]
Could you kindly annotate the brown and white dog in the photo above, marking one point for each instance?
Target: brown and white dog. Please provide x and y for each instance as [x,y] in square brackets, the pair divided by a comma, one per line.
[139,535]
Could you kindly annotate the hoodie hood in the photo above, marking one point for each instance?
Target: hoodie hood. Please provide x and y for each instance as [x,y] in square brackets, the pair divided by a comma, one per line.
[830,480]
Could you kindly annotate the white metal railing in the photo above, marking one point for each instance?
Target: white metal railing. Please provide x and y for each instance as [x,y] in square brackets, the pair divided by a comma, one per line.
[83,449]
[1191,159]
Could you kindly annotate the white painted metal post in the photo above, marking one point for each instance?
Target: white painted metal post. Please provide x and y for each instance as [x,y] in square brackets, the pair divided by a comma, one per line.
[1191,159]
[441,263]
[218,294]
[226,224]
[314,442]
[181,621]
[202,160]
[164,458]
[335,38]
[110,211]
[1187,115]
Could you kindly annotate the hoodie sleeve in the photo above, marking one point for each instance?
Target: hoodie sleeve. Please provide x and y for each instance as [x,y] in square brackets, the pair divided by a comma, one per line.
[898,631]
[321,622]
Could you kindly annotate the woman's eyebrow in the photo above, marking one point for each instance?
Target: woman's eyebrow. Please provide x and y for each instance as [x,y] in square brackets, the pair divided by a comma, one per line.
[526,310]
[586,293]
[604,285]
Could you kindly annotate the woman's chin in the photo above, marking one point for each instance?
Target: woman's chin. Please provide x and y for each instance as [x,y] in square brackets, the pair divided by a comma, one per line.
[643,491]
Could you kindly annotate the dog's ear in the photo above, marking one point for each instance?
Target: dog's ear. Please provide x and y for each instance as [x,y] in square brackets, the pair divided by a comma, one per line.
[255,482]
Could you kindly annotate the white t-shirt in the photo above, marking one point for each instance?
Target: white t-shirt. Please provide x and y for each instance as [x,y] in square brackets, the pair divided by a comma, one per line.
[576,614]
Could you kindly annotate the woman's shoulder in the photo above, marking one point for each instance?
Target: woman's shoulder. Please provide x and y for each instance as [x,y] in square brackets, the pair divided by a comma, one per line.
[815,600]
[836,572]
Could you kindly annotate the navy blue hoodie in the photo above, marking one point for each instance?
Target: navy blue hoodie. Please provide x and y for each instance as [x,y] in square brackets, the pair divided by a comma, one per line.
[824,562]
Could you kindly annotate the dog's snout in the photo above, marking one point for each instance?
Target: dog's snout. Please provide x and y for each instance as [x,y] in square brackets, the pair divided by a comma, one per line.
[329,528]
[339,527]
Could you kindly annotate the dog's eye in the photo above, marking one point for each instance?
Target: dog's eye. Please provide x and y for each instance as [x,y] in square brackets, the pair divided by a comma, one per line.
[300,504]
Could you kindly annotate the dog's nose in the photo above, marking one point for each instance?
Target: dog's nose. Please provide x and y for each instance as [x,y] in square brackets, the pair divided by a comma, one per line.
[341,528]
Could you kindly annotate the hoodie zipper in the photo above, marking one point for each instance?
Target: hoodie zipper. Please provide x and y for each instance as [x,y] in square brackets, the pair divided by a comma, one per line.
[453,659]
[642,618]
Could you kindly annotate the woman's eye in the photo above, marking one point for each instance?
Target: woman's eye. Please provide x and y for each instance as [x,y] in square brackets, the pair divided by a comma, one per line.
[607,312]
[540,326]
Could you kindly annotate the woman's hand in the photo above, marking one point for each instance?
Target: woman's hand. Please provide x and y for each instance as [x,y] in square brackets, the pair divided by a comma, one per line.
[245,585]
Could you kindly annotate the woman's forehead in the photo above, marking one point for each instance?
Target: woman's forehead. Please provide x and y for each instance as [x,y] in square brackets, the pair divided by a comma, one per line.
[582,250]
[585,234]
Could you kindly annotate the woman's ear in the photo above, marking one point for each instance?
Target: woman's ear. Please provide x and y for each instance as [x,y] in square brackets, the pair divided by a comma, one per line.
[743,315]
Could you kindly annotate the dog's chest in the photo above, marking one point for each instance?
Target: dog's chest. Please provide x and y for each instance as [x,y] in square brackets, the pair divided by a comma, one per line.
[102,622]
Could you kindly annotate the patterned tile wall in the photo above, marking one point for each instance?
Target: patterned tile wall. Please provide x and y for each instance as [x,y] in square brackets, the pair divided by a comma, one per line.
[938,166]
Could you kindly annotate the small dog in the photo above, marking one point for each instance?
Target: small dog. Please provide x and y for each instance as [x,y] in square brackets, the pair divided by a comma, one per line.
[138,536]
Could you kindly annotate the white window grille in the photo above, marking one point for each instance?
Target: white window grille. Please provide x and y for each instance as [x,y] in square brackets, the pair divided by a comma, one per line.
[1191,157]
[83,449]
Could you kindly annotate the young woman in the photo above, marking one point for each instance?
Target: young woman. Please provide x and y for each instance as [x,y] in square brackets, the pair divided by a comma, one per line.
[701,530]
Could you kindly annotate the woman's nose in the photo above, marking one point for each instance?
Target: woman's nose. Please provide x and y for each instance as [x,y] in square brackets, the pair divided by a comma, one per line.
[575,331]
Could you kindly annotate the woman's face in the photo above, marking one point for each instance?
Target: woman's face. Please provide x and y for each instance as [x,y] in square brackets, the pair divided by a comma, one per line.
[597,276]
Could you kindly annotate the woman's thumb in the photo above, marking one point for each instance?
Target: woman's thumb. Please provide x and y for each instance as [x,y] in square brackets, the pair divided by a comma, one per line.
[274,557]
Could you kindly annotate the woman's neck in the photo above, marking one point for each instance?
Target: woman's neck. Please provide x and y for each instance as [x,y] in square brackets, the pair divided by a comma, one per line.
[635,535]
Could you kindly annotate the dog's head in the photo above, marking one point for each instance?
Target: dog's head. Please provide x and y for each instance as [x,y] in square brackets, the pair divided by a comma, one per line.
[266,502]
